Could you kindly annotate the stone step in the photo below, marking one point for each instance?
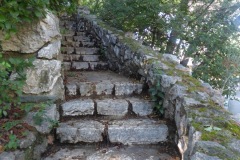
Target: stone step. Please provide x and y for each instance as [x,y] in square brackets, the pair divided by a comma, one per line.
[80,131]
[79,50]
[82,58]
[78,44]
[83,50]
[101,83]
[70,38]
[127,132]
[107,107]
[135,131]
[85,65]
[134,152]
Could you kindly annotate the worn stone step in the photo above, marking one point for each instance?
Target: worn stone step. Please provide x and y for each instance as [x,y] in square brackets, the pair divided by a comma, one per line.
[89,66]
[107,107]
[83,58]
[134,131]
[134,152]
[78,107]
[81,66]
[81,39]
[80,131]
[127,132]
[101,83]
[78,44]
[83,50]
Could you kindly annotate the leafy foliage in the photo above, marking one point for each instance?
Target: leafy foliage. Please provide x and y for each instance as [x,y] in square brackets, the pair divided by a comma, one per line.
[157,96]
[12,88]
[203,30]
[14,13]
[13,142]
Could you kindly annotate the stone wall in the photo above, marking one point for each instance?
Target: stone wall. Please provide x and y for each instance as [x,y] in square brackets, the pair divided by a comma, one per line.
[193,105]
[41,40]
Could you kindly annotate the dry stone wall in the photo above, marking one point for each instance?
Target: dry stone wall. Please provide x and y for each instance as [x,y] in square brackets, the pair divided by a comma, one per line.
[193,105]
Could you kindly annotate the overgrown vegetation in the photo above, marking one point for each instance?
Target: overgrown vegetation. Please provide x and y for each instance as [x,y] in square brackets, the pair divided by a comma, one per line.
[204,30]
[13,14]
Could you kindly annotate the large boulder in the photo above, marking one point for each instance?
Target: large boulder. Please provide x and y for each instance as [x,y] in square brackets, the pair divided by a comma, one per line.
[42,77]
[33,36]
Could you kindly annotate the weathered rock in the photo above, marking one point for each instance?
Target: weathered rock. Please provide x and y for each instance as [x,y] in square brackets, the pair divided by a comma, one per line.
[78,107]
[141,107]
[32,37]
[202,156]
[167,81]
[137,131]
[214,149]
[80,131]
[50,115]
[86,88]
[51,51]
[42,77]
[80,65]
[39,149]
[117,107]
[104,88]
[171,58]
[58,90]
[127,88]
[71,89]
[235,146]
[28,141]
[17,155]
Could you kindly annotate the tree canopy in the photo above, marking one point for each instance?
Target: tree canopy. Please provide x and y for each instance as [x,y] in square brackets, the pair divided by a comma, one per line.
[201,29]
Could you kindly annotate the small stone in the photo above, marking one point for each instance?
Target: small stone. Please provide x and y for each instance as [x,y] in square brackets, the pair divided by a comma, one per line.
[80,65]
[71,89]
[104,88]
[78,107]
[86,88]
[127,88]
[117,107]
[141,107]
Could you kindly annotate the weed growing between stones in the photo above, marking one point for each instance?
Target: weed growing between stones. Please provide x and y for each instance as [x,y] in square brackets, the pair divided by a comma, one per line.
[157,95]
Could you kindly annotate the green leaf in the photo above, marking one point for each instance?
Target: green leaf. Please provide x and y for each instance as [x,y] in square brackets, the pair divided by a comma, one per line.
[2,18]
[38,14]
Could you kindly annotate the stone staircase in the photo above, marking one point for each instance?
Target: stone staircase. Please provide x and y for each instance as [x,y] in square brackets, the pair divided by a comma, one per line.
[106,116]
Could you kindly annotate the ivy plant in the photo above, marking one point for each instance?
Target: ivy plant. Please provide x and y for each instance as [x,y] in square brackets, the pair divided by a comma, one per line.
[157,96]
